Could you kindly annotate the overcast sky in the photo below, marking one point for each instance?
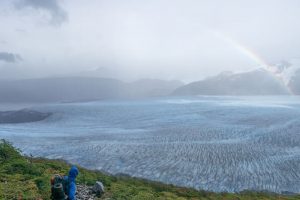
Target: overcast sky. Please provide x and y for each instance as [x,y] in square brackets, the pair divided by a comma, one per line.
[131,39]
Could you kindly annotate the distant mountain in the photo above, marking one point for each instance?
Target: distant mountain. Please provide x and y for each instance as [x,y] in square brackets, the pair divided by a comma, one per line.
[66,89]
[289,73]
[258,82]
[286,70]
[99,72]
[294,83]
[152,87]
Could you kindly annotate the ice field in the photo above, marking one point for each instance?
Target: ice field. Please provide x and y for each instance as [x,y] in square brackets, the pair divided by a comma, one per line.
[212,143]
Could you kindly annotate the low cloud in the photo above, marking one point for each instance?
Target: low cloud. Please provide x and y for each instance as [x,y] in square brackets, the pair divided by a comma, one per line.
[58,14]
[10,57]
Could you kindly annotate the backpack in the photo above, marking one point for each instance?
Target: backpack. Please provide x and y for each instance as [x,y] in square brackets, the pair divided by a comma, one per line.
[60,187]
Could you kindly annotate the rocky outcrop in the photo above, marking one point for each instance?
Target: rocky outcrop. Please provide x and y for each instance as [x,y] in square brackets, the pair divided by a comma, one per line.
[98,188]
[85,192]
[22,116]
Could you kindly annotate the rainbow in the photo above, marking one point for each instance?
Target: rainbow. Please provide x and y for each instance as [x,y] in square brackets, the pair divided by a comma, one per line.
[254,56]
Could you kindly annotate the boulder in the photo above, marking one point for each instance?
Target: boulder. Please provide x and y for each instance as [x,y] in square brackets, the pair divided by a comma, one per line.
[98,188]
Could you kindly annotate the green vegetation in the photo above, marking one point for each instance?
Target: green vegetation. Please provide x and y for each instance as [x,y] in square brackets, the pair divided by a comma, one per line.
[29,178]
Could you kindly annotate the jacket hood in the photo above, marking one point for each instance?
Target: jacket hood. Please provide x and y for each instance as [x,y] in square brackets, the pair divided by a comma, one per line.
[73,172]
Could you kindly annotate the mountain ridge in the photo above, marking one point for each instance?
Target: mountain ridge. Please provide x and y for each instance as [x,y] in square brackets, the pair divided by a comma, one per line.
[256,82]
[68,89]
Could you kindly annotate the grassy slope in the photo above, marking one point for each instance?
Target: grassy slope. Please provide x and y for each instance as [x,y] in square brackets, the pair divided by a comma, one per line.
[29,178]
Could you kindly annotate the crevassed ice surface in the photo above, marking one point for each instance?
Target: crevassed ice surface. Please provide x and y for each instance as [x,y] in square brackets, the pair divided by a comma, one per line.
[212,143]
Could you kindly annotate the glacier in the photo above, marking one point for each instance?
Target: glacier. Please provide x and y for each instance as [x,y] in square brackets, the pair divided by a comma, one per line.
[211,143]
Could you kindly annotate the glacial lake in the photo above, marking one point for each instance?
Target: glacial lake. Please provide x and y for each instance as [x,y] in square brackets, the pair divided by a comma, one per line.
[211,143]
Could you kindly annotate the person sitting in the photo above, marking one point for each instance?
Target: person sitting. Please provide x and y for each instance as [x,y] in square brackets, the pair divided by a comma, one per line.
[64,187]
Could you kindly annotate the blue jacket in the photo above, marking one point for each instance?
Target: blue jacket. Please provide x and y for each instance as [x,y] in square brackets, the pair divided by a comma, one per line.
[72,177]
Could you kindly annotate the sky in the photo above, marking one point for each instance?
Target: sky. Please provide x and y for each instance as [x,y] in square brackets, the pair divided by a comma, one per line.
[186,40]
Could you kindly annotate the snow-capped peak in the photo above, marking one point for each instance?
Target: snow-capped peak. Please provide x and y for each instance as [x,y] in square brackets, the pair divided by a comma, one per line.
[285,70]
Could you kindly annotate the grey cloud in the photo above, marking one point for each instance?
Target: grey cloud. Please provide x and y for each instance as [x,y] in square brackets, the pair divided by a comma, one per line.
[160,39]
[58,14]
[20,30]
[10,57]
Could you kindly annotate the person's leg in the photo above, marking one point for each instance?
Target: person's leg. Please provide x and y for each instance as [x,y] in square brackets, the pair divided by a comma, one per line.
[72,191]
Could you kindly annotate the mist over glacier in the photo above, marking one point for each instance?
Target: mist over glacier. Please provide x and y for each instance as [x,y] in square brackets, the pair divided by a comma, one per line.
[213,143]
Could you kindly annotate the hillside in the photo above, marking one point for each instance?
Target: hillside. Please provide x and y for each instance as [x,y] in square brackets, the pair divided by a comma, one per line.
[65,89]
[28,178]
[258,82]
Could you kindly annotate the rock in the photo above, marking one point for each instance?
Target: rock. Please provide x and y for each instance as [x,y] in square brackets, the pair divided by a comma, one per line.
[22,116]
[84,192]
[98,188]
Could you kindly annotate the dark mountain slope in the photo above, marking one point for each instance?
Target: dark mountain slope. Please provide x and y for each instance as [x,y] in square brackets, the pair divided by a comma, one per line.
[258,82]
[81,89]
